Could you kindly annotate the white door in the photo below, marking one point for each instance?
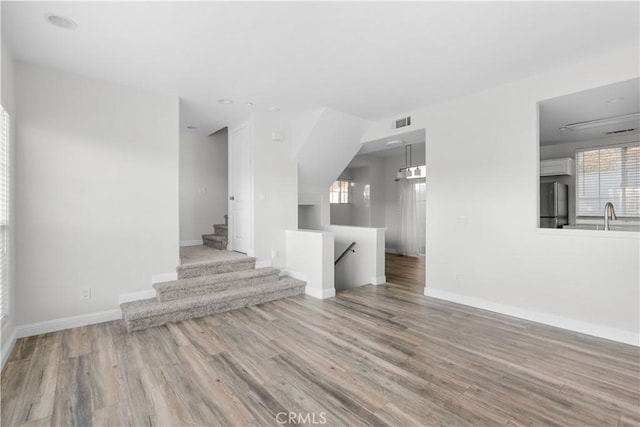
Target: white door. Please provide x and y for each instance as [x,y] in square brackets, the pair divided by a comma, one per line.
[240,189]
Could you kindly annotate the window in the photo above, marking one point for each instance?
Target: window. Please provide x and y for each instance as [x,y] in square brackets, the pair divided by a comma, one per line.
[340,192]
[4,213]
[608,174]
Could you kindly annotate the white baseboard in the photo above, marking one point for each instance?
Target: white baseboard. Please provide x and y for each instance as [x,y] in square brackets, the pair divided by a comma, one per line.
[262,263]
[164,277]
[6,350]
[612,334]
[314,292]
[184,243]
[136,296]
[294,274]
[320,293]
[67,323]
[379,280]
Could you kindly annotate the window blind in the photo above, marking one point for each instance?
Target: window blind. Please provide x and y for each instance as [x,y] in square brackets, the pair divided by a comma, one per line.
[608,174]
[4,213]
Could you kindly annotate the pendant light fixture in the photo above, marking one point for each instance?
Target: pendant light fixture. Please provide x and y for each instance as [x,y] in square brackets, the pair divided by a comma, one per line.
[405,172]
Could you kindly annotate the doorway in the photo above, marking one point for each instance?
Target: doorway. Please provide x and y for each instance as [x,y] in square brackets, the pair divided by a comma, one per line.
[240,230]
[385,186]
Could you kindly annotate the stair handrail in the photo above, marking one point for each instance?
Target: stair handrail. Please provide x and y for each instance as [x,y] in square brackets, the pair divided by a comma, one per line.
[349,248]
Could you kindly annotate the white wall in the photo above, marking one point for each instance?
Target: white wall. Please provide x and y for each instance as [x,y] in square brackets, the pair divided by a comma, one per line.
[326,141]
[556,151]
[97,191]
[310,256]
[7,98]
[367,264]
[275,187]
[203,184]
[482,195]
[365,172]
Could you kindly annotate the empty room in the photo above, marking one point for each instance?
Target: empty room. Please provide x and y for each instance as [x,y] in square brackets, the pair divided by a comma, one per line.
[320,213]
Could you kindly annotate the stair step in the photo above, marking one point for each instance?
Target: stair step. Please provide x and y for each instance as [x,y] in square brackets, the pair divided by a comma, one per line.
[221,229]
[151,312]
[215,241]
[214,237]
[202,285]
[232,261]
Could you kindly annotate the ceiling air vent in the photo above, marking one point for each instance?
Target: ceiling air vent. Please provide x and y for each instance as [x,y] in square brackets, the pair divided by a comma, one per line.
[400,123]
[616,132]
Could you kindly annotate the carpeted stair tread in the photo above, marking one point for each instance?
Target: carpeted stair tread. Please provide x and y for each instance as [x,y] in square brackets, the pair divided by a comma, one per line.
[192,255]
[200,285]
[151,312]
[228,262]
[214,237]
[221,229]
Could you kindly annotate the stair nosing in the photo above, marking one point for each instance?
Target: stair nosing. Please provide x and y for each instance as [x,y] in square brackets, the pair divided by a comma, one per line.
[230,276]
[283,283]
[195,265]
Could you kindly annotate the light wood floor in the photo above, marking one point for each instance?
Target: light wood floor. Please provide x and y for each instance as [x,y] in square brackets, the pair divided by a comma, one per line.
[383,355]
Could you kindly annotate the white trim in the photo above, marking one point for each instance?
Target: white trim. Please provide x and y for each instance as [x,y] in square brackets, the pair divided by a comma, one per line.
[262,263]
[314,292]
[294,274]
[379,280]
[6,350]
[184,243]
[320,293]
[136,296]
[606,332]
[164,277]
[67,323]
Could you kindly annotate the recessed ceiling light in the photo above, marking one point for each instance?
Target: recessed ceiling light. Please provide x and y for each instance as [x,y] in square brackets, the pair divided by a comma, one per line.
[61,22]
[192,127]
[395,142]
[614,100]
[274,108]
[225,101]
[249,104]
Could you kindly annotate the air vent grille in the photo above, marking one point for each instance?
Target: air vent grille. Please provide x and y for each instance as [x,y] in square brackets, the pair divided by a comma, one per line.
[400,123]
[615,132]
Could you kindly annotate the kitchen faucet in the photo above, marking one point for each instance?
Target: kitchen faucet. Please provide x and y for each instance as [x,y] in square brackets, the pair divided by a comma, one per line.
[609,213]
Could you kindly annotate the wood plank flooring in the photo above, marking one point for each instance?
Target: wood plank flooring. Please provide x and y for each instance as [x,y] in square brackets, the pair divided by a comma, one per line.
[383,355]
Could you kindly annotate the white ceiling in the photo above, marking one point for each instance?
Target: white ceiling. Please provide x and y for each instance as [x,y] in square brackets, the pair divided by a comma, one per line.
[369,59]
[589,105]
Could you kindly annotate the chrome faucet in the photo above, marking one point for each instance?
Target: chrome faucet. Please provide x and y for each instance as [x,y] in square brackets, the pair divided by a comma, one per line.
[609,213]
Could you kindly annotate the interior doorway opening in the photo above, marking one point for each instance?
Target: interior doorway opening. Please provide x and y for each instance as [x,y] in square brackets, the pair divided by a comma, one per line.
[385,186]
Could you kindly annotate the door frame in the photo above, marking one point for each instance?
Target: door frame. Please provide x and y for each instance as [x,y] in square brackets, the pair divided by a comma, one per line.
[231,175]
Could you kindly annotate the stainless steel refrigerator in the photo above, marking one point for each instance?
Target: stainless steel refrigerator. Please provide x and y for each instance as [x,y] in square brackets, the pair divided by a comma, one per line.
[554,205]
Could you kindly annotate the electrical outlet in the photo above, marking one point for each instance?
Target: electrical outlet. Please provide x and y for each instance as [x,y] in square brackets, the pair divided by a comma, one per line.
[456,276]
[85,294]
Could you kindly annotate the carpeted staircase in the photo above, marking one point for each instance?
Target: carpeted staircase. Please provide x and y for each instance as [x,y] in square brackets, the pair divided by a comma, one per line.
[212,281]
[219,238]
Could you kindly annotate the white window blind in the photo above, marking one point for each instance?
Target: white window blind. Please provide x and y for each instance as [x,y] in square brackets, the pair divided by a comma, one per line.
[340,192]
[4,213]
[608,174]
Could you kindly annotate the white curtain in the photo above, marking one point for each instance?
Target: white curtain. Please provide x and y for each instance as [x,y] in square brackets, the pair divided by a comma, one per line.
[412,208]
